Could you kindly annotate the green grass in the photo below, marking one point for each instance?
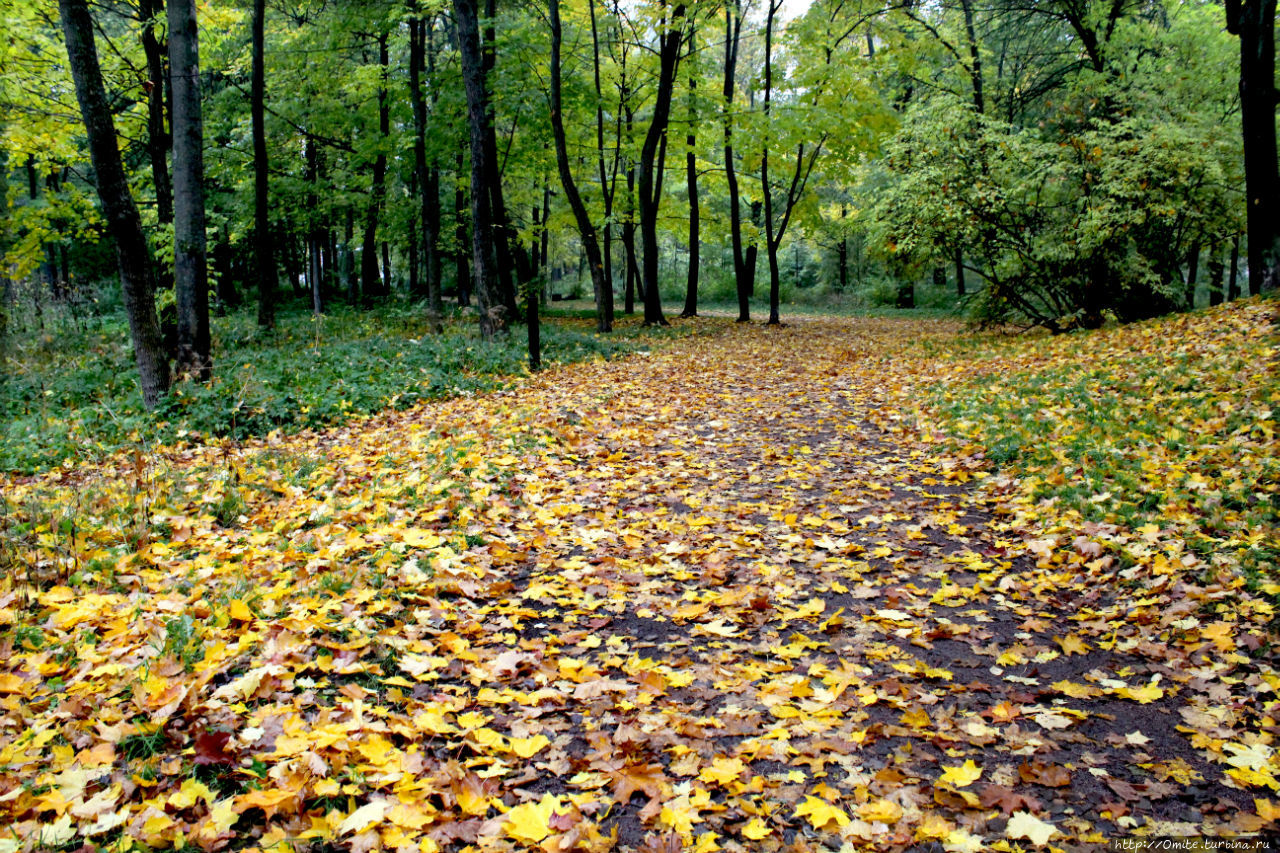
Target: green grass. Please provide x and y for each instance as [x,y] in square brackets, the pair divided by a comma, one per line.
[72,395]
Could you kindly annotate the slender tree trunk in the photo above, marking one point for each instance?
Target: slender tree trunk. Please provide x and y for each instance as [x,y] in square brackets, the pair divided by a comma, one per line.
[1254,22]
[158,142]
[374,285]
[691,182]
[1216,269]
[766,188]
[732,36]
[1193,273]
[1233,281]
[263,253]
[136,271]
[650,177]
[488,296]
[191,272]
[959,258]
[586,228]
[975,58]
[352,280]
[461,263]
[431,193]
[607,182]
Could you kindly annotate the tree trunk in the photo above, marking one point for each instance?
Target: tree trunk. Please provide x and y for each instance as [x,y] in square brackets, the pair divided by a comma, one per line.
[691,181]
[650,178]
[263,254]
[158,142]
[1233,281]
[607,181]
[191,272]
[376,286]
[1216,268]
[586,228]
[461,264]
[766,188]
[959,256]
[732,35]
[136,271]
[1193,272]
[1254,22]
[352,280]
[488,298]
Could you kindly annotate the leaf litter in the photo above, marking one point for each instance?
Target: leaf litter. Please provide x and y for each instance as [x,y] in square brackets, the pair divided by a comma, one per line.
[741,592]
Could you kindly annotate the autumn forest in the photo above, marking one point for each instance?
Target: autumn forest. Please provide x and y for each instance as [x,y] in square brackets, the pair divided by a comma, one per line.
[588,425]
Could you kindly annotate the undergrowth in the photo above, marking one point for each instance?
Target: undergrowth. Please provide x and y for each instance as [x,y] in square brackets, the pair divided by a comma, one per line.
[73,396]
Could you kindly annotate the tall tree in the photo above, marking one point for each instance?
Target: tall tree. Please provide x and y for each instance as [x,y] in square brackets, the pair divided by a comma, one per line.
[191,274]
[608,178]
[263,254]
[650,178]
[691,182]
[373,284]
[1254,21]
[586,228]
[743,274]
[134,256]
[489,302]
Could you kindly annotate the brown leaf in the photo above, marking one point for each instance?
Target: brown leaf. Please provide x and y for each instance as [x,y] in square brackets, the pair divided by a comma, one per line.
[1007,800]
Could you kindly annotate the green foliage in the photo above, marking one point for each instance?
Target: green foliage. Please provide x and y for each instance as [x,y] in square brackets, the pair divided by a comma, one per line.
[75,398]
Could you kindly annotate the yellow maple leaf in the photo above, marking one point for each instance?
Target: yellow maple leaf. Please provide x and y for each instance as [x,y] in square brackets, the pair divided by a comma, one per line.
[421,539]
[1028,826]
[962,776]
[756,829]
[722,770]
[531,822]
[882,811]
[934,826]
[1142,695]
[368,815]
[240,611]
[527,747]
[820,812]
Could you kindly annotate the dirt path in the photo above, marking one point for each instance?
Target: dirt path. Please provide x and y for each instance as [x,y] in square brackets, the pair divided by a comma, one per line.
[719,596]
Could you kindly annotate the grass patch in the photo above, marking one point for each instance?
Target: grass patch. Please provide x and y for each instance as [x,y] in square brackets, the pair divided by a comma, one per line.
[73,397]
[1169,423]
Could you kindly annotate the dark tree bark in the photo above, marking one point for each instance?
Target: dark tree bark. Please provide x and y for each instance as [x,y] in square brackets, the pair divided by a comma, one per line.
[158,142]
[975,58]
[489,300]
[1233,280]
[263,253]
[650,177]
[431,197]
[743,276]
[1216,268]
[352,280]
[315,235]
[691,182]
[766,189]
[775,227]
[608,181]
[586,228]
[190,262]
[461,263]
[959,259]
[1254,22]
[1193,273]
[136,271]
[374,285]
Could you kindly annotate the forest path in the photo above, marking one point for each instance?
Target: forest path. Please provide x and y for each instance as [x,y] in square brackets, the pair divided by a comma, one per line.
[720,595]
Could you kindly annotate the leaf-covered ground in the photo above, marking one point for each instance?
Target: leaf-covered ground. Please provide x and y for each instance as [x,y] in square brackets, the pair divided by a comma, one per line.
[756,590]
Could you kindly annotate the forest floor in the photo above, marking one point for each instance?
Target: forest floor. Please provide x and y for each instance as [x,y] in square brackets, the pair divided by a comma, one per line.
[757,588]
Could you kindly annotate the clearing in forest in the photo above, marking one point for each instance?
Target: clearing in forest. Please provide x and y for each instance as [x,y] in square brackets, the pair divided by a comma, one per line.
[739,592]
